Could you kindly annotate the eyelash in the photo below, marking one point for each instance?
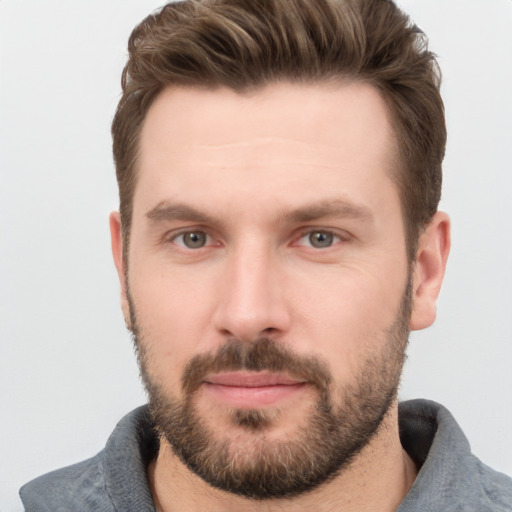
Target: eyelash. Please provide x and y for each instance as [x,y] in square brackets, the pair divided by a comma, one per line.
[336,238]
[176,236]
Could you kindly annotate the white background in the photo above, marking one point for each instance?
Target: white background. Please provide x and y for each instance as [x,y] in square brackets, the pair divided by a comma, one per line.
[67,369]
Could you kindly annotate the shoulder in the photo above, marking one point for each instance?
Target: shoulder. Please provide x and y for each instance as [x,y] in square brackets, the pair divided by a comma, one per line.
[81,486]
[450,477]
[496,488]
[114,480]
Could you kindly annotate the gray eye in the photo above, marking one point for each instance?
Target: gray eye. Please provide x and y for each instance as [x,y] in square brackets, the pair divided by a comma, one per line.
[321,239]
[194,239]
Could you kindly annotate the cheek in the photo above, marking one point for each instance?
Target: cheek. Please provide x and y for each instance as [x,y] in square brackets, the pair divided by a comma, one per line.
[344,317]
[173,313]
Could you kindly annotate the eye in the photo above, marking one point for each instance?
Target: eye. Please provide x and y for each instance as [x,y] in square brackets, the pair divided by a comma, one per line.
[319,239]
[192,239]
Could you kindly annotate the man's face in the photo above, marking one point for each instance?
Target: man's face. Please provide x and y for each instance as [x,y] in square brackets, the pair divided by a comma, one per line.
[268,279]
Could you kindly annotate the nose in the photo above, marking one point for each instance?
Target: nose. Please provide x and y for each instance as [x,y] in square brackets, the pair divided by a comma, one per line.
[251,301]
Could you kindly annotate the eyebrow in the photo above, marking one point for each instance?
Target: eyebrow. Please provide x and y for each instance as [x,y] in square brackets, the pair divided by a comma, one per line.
[165,211]
[339,208]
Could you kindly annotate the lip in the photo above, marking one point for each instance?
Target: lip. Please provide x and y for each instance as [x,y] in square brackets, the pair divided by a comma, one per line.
[252,380]
[252,390]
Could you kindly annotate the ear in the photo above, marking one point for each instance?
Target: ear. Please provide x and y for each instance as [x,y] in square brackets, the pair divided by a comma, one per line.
[428,273]
[116,238]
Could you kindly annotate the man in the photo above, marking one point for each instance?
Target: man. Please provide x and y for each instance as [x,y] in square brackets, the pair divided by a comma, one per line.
[279,167]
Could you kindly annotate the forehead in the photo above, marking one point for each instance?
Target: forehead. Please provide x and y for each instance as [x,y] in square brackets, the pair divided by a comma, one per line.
[298,139]
[306,112]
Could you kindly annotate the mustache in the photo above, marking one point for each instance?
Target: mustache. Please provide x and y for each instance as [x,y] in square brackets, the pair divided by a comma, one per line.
[263,354]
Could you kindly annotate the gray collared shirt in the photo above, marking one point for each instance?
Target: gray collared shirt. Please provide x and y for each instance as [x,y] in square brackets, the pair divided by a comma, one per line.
[450,479]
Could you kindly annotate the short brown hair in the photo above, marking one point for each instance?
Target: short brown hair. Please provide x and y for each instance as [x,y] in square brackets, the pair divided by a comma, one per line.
[246,44]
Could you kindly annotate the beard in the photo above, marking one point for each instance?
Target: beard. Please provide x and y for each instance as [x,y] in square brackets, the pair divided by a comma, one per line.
[338,424]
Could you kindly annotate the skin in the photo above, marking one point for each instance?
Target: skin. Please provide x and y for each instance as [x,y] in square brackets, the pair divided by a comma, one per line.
[264,170]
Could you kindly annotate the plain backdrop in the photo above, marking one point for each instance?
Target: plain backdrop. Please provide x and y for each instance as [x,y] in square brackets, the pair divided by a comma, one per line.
[68,373]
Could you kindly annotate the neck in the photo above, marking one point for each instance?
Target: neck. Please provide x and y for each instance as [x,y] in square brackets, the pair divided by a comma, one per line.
[377,479]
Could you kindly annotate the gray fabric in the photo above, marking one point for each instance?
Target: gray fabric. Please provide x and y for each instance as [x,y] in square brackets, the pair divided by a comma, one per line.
[113,481]
[451,479]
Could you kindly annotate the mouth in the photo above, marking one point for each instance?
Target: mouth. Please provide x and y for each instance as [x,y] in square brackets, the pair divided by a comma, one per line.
[251,390]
